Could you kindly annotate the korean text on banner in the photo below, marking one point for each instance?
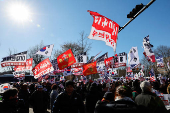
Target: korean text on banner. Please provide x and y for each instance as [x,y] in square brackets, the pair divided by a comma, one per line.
[66,59]
[24,68]
[18,59]
[42,68]
[104,29]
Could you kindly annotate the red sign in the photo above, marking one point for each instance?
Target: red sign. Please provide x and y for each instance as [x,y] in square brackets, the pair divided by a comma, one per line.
[89,69]
[66,59]
[28,66]
[77,65]
[42,68]
[109,61]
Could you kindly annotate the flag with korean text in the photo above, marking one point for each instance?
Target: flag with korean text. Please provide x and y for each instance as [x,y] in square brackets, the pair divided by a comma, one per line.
[77,71]
[122,57]
[18,59]
[81,58]
[149,54]
[109,62]
[46,50]
[89,69]
[160,62]
[65,59]
[104,29]
[42,68]
[152,75]
[26,67]
[100,63]
[133,57]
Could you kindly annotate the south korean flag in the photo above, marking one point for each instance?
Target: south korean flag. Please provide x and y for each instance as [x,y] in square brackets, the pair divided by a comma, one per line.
[46,50]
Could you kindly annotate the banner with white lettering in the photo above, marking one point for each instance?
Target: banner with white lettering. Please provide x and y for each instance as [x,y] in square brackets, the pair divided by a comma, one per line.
[81,58]
[104,29]
[19,74]
[18,59]
[25,68]
[42,68]
[122,57]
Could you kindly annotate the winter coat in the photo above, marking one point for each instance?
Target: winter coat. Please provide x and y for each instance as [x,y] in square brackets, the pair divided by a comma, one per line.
[24,94]
[53,96]
[9,106]
[68,104]
[151,101]
[120,106]
[91,99]
[39,100]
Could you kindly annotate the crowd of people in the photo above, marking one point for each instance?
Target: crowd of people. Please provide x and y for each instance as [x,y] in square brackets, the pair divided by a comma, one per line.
[91,97]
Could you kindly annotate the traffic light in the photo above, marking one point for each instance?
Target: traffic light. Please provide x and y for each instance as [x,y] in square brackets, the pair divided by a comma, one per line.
[135,11]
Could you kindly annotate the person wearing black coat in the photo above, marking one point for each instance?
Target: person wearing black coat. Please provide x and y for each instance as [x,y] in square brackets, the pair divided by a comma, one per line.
[91,99]
[68,101]
[9,102]
[24,95]
[39,100]
[122,103]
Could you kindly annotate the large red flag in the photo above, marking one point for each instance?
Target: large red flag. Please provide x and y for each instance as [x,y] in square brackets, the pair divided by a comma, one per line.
[104,29]
[66,59]
[42,68]
[89,69]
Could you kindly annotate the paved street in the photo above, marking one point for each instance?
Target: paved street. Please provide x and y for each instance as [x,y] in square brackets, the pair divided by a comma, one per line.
[31,110]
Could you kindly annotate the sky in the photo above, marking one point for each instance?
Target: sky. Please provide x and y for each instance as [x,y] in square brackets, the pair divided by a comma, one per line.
[59,21]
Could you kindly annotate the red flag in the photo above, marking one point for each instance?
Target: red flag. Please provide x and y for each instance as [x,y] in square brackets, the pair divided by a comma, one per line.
[27,67]
[29,64]
[89,69]
[42,68]
[66,59]
[108,62]
[104,29]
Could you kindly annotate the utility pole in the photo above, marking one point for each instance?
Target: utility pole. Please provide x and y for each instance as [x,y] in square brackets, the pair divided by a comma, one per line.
[135,14]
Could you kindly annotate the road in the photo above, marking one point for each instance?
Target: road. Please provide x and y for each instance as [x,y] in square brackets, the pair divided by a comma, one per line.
[31,110]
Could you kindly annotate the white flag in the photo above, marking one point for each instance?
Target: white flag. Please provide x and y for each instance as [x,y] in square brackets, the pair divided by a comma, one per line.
[47,50]
[133,57]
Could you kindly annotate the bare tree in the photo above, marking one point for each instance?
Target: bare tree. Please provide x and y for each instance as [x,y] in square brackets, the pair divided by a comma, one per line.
[77,48]
[165,52]
[85,45]
[36,58]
